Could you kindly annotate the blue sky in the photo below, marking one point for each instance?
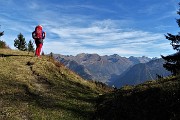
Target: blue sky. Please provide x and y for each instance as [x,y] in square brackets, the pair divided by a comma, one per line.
[106,27]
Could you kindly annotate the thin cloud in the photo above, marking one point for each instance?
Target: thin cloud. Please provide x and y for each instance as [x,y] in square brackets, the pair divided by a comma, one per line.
[105,40]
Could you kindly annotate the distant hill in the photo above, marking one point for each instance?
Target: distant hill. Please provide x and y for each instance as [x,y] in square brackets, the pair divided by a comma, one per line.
[34,88]
[78,68]
[100,68]
[141,72]
[152,100]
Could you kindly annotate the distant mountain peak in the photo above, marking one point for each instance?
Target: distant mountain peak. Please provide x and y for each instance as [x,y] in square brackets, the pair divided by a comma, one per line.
[100,68]
[142,59]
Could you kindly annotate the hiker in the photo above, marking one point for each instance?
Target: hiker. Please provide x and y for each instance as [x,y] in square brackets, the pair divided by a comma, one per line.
[38,35]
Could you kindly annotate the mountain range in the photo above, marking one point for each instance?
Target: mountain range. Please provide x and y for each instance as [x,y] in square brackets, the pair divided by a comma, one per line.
[114,69]
[141,72]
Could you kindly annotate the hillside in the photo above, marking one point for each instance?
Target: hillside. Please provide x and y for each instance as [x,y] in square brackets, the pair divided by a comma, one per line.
[99,68]
[41,88]
[153,100]
[141,72]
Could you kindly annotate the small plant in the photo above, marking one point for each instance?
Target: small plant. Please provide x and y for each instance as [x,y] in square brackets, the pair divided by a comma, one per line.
[42,53]
[51,55]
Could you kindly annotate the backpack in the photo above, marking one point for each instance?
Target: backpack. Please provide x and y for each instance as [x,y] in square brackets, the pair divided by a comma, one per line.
[38,32]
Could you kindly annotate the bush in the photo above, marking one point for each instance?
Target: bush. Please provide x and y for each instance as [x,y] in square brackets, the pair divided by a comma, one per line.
[3,44]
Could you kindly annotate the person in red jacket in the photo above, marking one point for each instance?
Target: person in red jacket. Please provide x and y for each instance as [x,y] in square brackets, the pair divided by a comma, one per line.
[38,35]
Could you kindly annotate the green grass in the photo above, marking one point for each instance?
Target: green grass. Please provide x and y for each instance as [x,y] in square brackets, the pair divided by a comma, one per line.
[153,100]
[43,89]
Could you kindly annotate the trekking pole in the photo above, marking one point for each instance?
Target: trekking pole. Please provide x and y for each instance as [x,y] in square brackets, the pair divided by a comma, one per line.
[33,45]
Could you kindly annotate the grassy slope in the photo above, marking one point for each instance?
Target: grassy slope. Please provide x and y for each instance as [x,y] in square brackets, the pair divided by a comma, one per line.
[153,100]
[32,88]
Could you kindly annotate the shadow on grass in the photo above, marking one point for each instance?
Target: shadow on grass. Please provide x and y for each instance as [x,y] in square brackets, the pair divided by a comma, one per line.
[9,55]
[73,105]
[78,106]
[56,104]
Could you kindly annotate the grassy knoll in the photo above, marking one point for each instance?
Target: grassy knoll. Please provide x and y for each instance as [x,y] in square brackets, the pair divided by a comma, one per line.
[42,89]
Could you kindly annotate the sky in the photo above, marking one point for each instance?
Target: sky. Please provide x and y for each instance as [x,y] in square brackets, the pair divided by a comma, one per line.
[106,27]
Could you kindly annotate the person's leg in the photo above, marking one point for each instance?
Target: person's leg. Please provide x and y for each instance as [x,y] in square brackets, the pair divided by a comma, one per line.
[36,52]
[39,49]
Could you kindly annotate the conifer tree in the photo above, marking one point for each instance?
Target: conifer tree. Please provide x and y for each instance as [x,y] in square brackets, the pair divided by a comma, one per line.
[20,43]
[173,61]
[30,46]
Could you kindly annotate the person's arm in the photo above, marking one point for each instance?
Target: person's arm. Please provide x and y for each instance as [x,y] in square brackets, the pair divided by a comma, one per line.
[44,35]
[34,35]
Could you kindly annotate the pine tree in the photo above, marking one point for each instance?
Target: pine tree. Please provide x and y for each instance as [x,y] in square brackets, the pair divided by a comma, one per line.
[20,43]
[173,61]
[30,46]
